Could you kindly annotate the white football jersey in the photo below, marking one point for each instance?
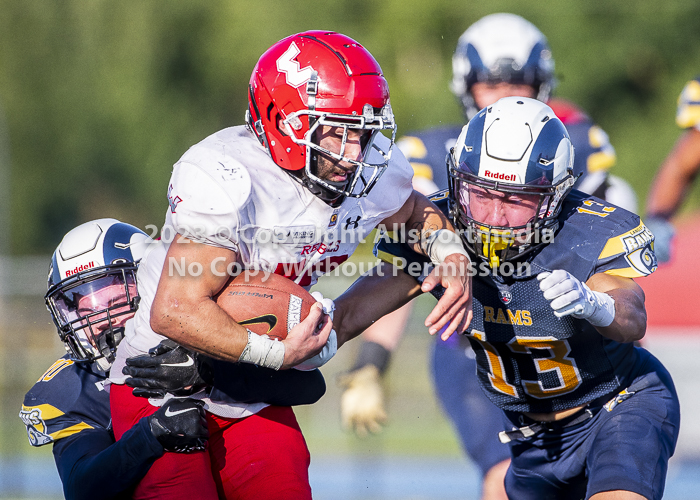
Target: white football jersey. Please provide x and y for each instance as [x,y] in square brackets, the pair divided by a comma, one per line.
[226,191]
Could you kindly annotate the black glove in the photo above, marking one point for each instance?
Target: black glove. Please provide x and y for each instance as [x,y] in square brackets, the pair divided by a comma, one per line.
[180,425]
[168,367]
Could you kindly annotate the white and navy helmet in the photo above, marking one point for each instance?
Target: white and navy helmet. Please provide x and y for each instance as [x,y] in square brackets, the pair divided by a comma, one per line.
[501,48]
[92,287]
[520,148]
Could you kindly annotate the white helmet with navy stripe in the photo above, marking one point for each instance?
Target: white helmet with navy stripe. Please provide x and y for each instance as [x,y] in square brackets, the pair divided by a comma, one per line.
[92,287]
[501,48]
[519,150]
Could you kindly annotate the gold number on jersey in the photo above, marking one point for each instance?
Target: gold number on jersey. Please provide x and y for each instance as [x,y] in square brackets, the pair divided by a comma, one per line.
[54,369]
[596,209]
[557,363]
[497,370]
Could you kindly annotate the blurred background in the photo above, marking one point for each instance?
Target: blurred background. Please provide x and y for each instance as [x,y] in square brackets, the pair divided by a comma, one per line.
[99,98]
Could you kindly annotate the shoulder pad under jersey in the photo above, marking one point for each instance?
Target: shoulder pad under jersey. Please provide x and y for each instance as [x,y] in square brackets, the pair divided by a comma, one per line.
[394,186]
[208,189]
[64,401]
[597,237]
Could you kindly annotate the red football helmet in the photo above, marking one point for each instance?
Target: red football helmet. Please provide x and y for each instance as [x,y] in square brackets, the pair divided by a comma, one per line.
[321,78]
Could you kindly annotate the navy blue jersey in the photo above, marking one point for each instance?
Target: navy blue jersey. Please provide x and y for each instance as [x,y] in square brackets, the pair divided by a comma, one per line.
[69,407]
[426,151]
[528,359]
[67,399]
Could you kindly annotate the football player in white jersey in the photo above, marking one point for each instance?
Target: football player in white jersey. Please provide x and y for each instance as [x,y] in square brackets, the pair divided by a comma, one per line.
[293,192]
[677,173]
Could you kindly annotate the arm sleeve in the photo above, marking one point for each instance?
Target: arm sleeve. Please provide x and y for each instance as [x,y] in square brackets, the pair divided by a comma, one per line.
[249,383]
[93,466]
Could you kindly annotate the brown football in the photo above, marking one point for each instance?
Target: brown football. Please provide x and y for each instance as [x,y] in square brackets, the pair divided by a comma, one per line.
[265,303]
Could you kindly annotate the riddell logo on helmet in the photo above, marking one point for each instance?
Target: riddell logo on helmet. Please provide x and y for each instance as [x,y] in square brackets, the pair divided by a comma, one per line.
[502,177]
[81,267]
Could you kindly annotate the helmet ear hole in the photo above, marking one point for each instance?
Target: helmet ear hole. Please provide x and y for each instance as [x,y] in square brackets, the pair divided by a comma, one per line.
[280,125]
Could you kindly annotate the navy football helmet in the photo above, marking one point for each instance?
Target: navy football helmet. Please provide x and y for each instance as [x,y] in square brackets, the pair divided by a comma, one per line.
[501,48]
[92,287]
[509,173]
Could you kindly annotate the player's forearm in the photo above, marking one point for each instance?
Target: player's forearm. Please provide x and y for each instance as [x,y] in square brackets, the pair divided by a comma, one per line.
[675,176]
[630,320]
[388,330]
[374,295]
[420,218]
[200,325]
[183,309]
[93,467]
[247,383]
[668,191]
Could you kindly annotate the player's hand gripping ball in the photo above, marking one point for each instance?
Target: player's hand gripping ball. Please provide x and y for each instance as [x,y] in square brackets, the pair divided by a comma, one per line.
[265,303]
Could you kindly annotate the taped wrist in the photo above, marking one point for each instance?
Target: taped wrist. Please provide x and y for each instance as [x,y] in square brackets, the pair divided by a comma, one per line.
[263,351]
[374,354]
[603,308]
[442,243]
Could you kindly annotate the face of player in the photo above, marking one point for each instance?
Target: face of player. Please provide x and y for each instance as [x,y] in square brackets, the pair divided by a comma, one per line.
[101,300]
[501,209]
[486,93]
[331,138]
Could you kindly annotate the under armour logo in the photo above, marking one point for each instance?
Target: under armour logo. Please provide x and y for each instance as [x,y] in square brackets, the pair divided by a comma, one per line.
[349,223]
[294,75]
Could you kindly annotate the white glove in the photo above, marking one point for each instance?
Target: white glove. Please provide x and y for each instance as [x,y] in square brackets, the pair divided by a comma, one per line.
[328,304]
[331,346]
[568,296]
[322,357]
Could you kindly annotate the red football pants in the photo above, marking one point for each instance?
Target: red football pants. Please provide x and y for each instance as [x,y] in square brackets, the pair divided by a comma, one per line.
[261,457]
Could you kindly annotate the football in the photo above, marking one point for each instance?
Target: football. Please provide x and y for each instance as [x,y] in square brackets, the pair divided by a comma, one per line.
[265,303]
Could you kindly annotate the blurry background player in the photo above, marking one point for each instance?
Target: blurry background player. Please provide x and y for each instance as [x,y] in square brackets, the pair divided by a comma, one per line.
[677,172]
[498,56]
[92,293]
